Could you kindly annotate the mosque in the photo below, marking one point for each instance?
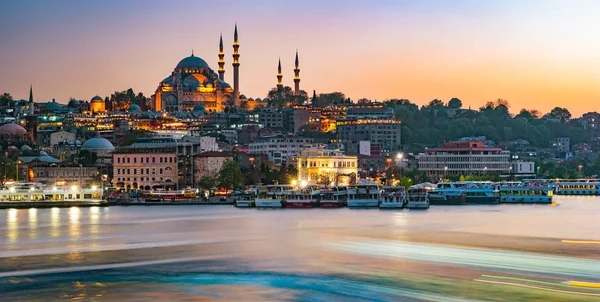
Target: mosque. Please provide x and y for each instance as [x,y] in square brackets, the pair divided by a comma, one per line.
[193,84]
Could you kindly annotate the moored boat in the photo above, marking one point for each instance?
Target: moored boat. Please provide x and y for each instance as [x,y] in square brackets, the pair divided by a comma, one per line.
[417,198]
[36,193]
[392,198]
[307,197]
[271,196]
[364,195]
[244,201]
[578,187]
[334,197]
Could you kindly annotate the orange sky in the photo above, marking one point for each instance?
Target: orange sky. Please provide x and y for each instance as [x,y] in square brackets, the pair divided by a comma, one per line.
[536,54]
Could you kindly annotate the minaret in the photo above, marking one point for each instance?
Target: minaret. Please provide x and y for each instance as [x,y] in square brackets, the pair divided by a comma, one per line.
[279,76]
[31,100]
[236,68]
[296,75]
[221,60]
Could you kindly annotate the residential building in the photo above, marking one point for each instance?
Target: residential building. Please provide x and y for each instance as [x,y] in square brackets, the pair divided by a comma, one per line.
[280,148]
[561,144]
[209,163]
[384,132]
[464,158]
[270,118]
[147,164]
[61,136]
[321,166]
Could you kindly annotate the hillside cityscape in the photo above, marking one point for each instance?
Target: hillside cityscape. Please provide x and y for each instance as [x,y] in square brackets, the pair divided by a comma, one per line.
[212,136]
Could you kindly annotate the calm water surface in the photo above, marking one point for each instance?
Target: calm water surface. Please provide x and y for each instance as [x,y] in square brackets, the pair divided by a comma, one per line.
[190,253]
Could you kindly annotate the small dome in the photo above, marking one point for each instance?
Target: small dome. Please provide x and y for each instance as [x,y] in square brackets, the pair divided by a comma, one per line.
[242,97]
[97,99]
[13,148]
[43,153]
[53,105]
[199,108]
[265,100]
[12,129]
[97,144]
[25,148]
[73,103]
[251,99]
[258,100]
[192,62]
[134,108]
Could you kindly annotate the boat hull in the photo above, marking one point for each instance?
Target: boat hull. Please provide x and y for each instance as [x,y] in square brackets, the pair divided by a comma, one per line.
[299,204]
[417,205]
[526,199]
[331,204]
[268,203]
[483,200]
[363,203]
[244,204]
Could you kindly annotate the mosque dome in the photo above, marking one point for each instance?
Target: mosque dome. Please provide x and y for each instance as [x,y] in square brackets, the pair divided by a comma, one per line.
[258,100]
[199,108]
[12,129]
[96,99]
[97,144]
[54,105]
[25,148]
[134,108]
[192,62]
[73,103]
[243,97]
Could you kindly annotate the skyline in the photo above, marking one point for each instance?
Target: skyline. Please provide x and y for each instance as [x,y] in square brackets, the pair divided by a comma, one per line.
[535,54]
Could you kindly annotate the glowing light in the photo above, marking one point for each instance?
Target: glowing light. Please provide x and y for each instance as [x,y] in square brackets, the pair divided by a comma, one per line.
[399,156]
[294,182]
[582,241]
[73,188]
[303,184]
[12,189]
[32,189]
[94,187]
[54,188]
[12,215]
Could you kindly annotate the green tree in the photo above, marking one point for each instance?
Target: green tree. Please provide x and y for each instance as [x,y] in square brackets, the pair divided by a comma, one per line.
[559,113]
[6,99]
[326,99]
[8,169]
[283,97]
[207,183]
[87,158]
[230,177]
[435,104]
[455,103]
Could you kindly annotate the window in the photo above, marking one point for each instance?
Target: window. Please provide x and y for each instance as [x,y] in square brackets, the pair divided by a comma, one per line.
[135,160]
[153,159]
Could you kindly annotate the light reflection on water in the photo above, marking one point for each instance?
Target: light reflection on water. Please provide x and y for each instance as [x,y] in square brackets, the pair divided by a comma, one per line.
[315,254]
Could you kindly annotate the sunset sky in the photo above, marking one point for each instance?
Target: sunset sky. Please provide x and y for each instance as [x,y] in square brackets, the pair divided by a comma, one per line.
[536,54]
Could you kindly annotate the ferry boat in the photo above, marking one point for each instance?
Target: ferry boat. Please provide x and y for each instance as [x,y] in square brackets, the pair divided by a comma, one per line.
[455,193]
[37,193]
[392,198]
[271,196]
[307,197]
[578,187]
[526,194]
[244,201]
[162,195]
[334,197]
[364,195]
[417,197]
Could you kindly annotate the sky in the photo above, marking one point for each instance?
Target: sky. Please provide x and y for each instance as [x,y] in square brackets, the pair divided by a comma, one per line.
[536,54]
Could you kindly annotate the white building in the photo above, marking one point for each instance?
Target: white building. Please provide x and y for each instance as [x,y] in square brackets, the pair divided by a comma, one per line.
[321,166]
[464,158]
[280,148]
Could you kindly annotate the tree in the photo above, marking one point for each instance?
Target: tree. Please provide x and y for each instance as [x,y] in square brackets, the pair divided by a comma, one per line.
[434,104]
[455,103]
[285,96]
[6,99]
[87,158]
[230,177]
[326,99]
[559,113]
[207,183]
[244,105]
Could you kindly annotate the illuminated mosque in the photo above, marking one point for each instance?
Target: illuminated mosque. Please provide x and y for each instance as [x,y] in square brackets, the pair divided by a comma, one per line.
[193,84]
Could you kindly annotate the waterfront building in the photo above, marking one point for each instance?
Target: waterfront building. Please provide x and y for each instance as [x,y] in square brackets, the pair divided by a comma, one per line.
[464,158]
[68,175]
[146,164]
[209,163]
[326,167]
[383,132]
[280,148]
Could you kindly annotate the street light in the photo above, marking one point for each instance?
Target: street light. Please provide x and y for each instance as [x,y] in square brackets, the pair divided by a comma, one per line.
[17,177]
[580,167]
[445,171]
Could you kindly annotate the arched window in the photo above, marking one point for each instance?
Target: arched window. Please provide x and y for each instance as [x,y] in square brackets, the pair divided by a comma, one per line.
[161,171]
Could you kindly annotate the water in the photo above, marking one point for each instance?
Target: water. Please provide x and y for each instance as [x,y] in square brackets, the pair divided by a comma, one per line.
[190,253]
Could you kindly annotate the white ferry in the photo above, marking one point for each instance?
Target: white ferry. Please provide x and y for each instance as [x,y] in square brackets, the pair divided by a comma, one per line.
[244,200]
[271,196]
[307,197]
[334,197]
[417,197]
[392,198]
[32,192]
[364,195]
[578,187]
